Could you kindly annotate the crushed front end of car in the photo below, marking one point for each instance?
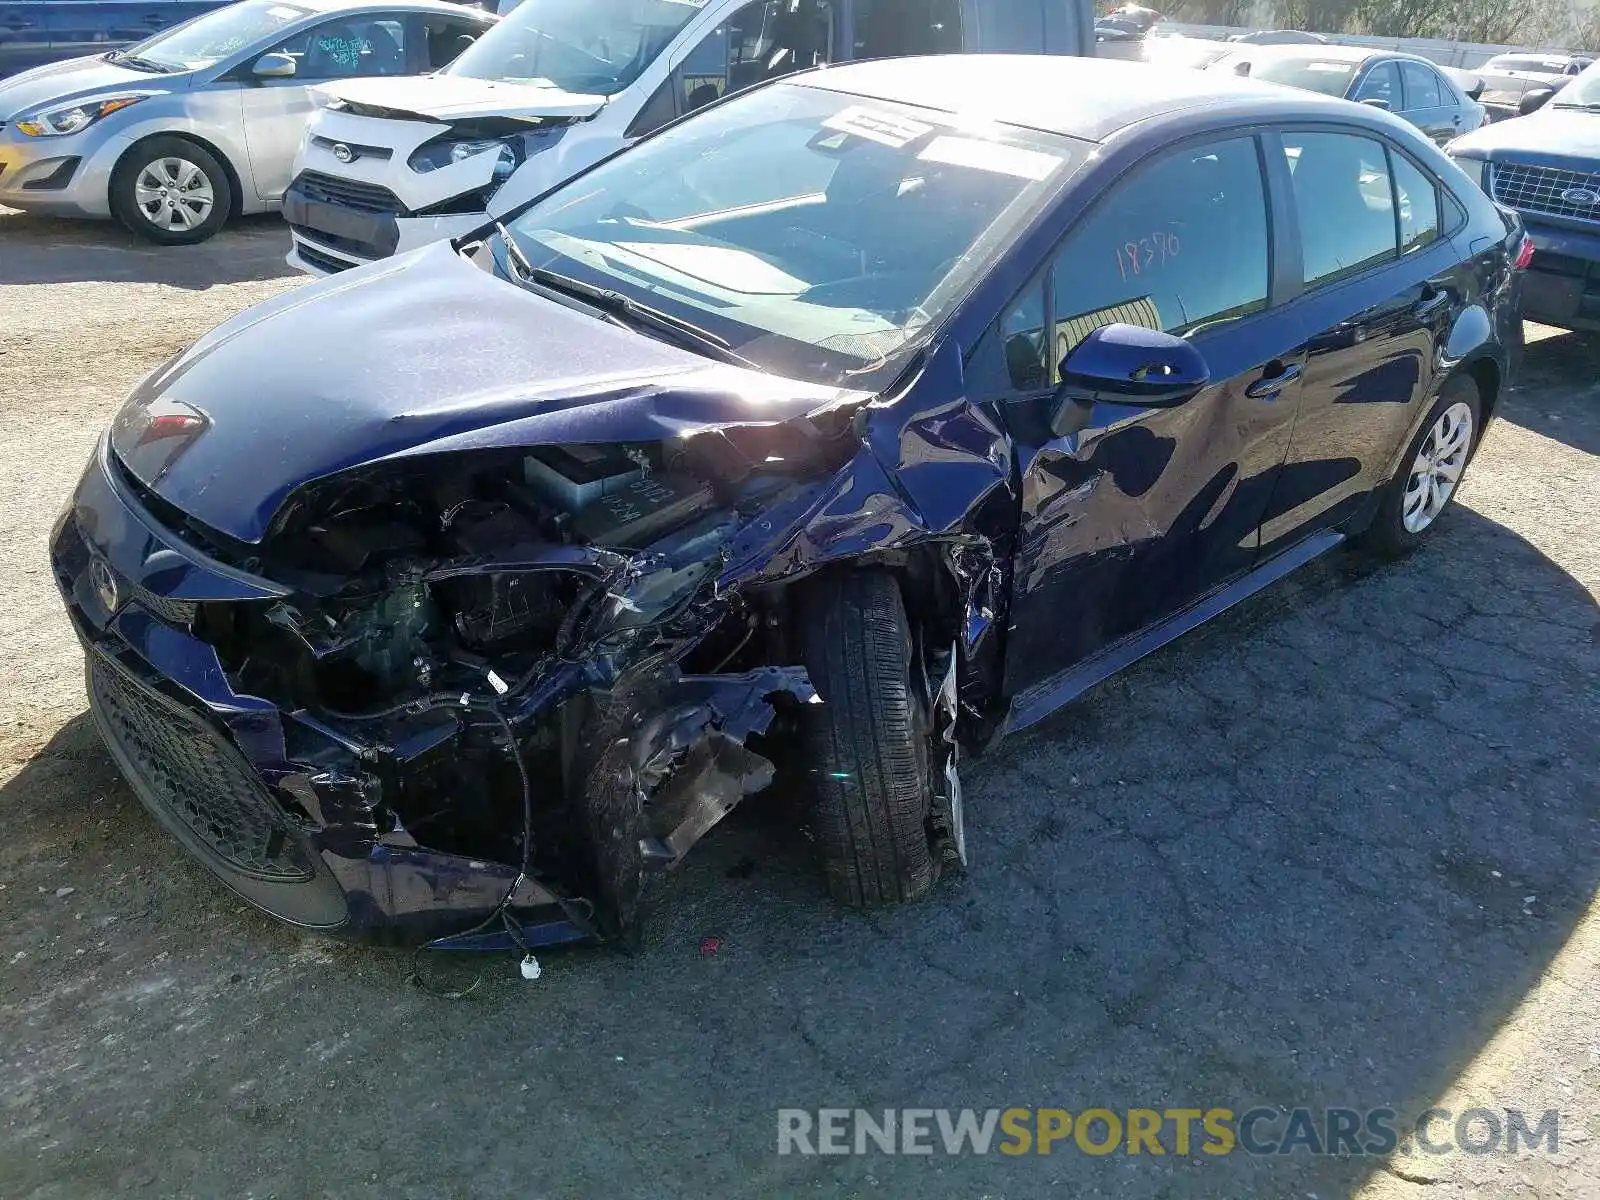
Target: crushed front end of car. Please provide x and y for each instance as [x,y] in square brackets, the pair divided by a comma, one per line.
[429,648]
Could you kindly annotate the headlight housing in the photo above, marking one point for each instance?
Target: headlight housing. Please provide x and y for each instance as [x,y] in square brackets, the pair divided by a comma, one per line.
[59,122]
[443,154]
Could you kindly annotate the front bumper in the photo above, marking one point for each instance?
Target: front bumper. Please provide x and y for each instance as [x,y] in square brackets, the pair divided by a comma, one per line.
[294,815]
[59,176]
[1562,285]
[328,237]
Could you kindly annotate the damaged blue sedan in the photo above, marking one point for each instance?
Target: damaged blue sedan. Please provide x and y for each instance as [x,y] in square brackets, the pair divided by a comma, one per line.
[834,431]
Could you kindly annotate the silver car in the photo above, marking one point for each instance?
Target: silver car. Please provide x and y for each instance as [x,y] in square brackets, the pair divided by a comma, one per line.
[174,134]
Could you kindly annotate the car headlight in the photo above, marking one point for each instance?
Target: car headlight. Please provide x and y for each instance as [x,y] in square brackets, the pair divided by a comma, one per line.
[58,122]
[1475,168]
[443,154]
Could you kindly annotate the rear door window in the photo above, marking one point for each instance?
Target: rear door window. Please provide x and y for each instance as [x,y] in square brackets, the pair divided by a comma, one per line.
[897,28]
[1344,198]
[1422,86]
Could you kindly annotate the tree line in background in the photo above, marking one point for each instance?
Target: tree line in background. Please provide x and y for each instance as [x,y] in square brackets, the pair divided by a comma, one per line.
[1551,23]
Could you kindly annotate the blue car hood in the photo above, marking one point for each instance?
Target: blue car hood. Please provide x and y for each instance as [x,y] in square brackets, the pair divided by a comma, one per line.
[64,83]
[424,354]
[1548,133]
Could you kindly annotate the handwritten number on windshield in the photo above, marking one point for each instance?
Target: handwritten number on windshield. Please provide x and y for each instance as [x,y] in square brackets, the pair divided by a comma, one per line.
[1148,253]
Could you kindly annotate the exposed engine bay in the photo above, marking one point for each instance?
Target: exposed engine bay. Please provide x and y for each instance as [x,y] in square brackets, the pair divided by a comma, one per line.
[549,614]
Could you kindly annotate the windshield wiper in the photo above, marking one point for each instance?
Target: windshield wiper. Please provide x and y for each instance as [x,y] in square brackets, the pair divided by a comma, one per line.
[137,63]
[1585,105]
[624,308]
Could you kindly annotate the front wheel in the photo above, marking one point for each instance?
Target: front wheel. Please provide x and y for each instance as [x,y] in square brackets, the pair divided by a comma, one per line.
[1431,471]
[867,742]
[171,191]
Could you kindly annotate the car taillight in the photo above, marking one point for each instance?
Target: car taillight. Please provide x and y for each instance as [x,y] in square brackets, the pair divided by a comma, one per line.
[1524,253]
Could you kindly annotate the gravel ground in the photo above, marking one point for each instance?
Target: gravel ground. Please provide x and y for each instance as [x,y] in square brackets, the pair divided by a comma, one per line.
[1338,848]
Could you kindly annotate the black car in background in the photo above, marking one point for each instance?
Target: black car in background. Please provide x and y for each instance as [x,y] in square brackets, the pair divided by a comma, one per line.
[1546,165]
[1407,85]
[838,429]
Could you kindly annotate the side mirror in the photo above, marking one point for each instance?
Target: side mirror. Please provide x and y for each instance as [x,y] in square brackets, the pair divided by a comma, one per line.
[1378,102]
[1533,100]
[1125,364]
[1476,90]
[274,66]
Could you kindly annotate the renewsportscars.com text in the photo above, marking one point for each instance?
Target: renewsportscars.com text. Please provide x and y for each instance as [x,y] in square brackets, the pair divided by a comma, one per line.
[1179,1131]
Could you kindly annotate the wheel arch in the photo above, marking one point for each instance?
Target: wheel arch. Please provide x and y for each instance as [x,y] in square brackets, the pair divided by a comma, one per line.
[235,184]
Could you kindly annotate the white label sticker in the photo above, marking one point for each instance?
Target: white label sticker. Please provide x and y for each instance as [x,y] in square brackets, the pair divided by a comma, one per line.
[990,156]
[875,125]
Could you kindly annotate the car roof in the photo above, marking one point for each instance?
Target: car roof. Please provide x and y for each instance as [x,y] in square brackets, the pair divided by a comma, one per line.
[1087,98]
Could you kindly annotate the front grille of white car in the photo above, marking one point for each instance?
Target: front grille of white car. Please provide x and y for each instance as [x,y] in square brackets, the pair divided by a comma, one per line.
[349,193]
[1546,190]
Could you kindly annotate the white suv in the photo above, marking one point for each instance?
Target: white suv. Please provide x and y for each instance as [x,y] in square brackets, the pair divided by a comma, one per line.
[557,85]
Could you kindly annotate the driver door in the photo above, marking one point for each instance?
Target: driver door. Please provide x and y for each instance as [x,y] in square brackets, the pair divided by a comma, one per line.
[762,40]
[275,111]
[1145,509]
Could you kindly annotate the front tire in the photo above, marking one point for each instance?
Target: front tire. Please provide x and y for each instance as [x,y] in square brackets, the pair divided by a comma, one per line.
[170,191]
[867,742]
[1430,473]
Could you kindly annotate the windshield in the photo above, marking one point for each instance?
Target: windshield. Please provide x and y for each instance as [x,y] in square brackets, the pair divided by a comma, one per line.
[592,47]
[1330,77]
[1582,92]
[821,236]
[203,41]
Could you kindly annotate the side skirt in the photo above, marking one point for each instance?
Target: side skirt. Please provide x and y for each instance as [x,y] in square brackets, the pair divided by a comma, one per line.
[1042,699]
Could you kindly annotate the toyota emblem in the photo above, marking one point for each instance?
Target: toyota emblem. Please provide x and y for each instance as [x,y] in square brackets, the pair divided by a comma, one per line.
[343,153]
[1581,197]
[104,581]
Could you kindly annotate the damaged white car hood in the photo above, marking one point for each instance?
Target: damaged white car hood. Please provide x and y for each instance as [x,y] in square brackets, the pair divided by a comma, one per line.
[458,97]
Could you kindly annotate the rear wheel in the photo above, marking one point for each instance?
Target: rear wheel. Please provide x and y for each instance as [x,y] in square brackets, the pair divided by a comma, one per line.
[171,191]
[1431,471]
[868,742]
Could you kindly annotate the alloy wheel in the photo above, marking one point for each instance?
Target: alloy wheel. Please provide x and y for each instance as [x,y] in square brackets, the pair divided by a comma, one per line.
[1437,469]
[174,194]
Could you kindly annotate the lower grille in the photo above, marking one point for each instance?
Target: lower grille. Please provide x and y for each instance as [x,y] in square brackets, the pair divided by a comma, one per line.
[348,193]
[1546,190]
[193,776]
[348,245]
[323,262]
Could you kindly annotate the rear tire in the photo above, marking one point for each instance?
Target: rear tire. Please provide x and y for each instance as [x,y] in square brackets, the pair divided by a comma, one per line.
[171,191]
[1430,472]
[867,743]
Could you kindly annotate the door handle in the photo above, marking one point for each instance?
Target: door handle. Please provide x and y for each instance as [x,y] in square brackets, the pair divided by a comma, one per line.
[1433,299]
[1268,386]
[1456,120]
[16,23]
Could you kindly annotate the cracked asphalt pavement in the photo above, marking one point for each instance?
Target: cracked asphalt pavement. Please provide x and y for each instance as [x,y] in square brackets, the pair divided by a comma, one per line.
[1339,848]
